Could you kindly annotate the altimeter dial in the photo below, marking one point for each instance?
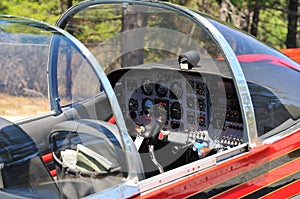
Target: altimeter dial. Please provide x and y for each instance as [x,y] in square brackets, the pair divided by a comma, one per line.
[133,104]
[147,87]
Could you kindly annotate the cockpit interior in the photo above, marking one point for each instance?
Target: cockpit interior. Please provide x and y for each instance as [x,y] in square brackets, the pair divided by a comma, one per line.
[181,115]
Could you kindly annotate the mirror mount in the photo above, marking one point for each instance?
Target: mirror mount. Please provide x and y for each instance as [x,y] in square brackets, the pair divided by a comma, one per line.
[189,60]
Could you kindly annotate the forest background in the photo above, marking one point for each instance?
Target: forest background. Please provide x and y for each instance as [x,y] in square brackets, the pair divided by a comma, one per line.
[275,22]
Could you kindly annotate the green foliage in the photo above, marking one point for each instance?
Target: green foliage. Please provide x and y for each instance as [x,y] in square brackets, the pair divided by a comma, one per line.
[3,8]
[272,26]
[32,9]
[43,10]
[272,32]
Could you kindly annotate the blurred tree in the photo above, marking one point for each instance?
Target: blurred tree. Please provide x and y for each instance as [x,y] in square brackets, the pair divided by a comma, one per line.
[132,20]
[273,26]
[264,19]
[291,36]
[255,18]
[48,11]
[37,9]
[64,5]
[3,8]
[272,21]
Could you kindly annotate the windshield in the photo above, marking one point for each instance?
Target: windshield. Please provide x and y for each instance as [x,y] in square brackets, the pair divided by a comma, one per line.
[24,57]
[131,34]
[52,85]
[156,55]
[272,80]
[182,96]
[138,34]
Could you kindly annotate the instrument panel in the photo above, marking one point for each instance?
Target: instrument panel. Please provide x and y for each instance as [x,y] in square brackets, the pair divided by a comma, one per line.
[197,106]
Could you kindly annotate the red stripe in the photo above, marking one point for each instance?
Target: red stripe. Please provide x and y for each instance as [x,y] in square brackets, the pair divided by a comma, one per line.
[270,58]
[287,191]
[47,158]
[53,172]
[293,53]
[112,120]
[219,174]
[261,181]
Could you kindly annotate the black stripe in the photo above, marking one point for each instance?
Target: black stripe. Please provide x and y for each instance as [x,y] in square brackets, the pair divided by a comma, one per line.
[272,187]
[246,176]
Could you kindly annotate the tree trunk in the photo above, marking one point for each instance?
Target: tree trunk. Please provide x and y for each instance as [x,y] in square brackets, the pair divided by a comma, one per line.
[255,19]
[224,11]
[69,80]
[64,5]
[132,37]
[291,38]
[245,19]
[69,3]
[204,6]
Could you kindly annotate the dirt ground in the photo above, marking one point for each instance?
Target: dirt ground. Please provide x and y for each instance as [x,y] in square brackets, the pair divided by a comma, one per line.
[15,108]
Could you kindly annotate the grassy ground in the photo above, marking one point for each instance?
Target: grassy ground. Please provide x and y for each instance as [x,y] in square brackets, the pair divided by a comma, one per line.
[16,107]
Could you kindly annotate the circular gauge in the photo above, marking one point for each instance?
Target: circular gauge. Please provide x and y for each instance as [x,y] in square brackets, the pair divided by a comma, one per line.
[133,104]
[147,87]
[191,118]
[201,104]
[147,105]
[176,111]
[190,102]
[161,89]
[133,114]
[177,125]
[131,85]
[201,120]
[176,89]
[200,88]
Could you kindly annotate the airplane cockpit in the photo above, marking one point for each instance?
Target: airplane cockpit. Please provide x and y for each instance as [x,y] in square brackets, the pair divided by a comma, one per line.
[182,97]
[177,116]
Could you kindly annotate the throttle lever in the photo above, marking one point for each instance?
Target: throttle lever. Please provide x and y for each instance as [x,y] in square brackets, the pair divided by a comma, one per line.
[176,149]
